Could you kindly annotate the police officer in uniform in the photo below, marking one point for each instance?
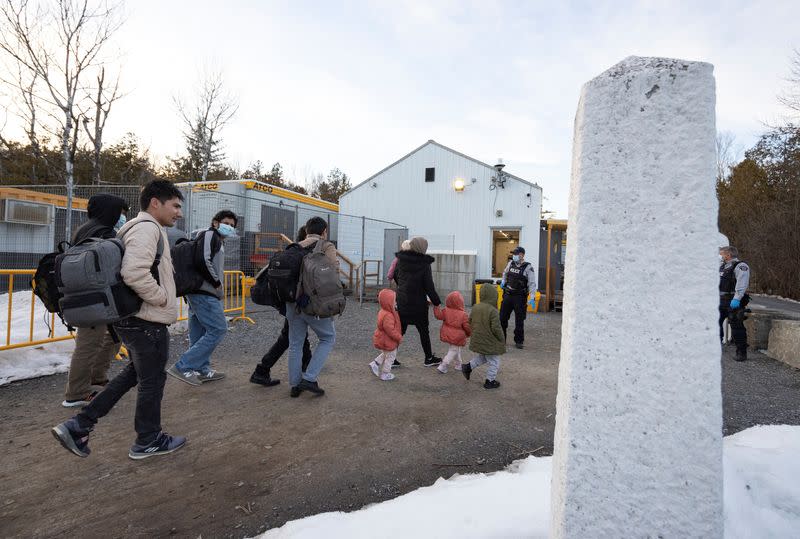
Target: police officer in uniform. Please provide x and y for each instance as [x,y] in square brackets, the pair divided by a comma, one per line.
[518,281]
[734,277]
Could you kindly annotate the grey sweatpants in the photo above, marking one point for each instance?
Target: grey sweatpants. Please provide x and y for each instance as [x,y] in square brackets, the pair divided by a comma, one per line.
[493,361]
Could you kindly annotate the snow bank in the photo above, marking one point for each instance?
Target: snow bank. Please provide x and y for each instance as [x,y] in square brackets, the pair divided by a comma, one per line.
[30,362]
[762,499]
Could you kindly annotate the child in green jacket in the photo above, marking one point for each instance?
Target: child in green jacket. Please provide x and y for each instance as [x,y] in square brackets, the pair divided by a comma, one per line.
[487,341]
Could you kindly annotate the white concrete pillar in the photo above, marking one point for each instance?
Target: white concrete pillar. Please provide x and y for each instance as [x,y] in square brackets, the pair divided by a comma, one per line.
[638,439]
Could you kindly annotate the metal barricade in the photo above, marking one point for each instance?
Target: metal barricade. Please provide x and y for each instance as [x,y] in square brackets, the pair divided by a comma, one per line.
[234,301]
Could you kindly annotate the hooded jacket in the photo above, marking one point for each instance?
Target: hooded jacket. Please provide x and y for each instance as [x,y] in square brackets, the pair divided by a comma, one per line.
[487,334]
[414,284]
[455,328]
[387,334]
[104,211]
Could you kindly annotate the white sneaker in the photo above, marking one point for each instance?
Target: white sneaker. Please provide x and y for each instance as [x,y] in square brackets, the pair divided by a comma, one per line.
[442,369]
[387,377]
[376,370]
[457,366]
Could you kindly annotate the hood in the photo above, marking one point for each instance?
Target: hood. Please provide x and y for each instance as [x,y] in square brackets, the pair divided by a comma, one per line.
[387,298]
[106,208]
[418,244]
[456,301]
[488,294]
[414,258]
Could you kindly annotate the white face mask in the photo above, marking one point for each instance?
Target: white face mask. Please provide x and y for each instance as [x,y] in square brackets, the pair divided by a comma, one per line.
[515,258]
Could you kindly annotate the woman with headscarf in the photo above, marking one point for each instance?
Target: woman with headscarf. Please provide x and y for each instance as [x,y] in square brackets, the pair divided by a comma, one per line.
[414,287]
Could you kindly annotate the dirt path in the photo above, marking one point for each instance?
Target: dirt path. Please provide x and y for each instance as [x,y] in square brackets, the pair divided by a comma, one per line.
[256,458]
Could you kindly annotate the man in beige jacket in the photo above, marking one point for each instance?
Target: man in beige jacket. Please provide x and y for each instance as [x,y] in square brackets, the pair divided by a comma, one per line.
[144,335]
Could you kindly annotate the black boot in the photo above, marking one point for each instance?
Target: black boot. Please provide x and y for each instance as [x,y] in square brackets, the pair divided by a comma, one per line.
[261,376]
[741,354]
[466,370]
[491,384]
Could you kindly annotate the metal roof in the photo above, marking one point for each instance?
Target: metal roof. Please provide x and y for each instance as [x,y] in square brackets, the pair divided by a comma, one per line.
[444,148]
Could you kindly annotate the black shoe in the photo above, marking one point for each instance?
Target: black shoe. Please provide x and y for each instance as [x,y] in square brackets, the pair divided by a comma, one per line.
[164,444]
[263,379]
[395,364]
[466,370]
[313,387]
[294,392]
[519,345]
[491,384]
[72,437]
[741,355]
[432,361]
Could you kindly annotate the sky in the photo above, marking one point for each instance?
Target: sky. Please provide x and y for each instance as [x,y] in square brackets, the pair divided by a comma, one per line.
[357,85]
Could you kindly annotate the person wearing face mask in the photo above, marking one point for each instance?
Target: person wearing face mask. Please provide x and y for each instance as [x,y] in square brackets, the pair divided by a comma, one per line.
[734,278]
[94,346]
[207,323]
[518,281]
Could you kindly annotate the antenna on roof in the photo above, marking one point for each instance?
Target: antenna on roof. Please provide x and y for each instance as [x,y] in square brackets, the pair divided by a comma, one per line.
[499,166]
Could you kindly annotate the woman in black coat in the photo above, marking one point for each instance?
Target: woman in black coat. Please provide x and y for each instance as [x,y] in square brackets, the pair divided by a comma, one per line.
[414,286]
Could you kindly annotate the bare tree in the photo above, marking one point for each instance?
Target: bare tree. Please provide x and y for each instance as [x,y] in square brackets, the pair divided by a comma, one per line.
[791,97]
[59,46]
[104,98]
[203,121]
[726,154]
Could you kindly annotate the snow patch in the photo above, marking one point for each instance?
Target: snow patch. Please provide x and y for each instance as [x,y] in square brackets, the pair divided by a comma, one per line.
[761,499]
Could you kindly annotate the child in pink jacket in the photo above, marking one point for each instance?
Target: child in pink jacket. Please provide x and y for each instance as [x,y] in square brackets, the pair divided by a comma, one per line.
[455,329]
[387,336]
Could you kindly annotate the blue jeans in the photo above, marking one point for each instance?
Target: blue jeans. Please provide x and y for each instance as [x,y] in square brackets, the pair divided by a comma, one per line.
[299,324]
[207,328]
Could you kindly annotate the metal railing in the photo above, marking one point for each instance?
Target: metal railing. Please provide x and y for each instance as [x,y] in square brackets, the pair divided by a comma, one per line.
[234,301]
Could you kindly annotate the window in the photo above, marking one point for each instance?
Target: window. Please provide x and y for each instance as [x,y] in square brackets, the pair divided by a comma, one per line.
[430,174]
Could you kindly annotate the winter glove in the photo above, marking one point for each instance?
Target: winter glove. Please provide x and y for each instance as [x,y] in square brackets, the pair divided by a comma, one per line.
[735,303]
[532,303]
[503,284]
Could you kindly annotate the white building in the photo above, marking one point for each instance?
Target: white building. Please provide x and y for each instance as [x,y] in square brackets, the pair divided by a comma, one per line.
[460,204]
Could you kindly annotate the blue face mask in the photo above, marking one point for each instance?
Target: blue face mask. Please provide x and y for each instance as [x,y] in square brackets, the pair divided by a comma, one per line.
[515,258]
[226,230]
[121,221]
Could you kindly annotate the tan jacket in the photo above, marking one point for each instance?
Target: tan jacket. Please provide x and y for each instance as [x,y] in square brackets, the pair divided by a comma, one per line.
[330,249]
[141,244]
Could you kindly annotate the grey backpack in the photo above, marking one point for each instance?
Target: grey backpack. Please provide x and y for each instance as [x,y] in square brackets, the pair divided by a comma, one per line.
[88,276]
[319,282]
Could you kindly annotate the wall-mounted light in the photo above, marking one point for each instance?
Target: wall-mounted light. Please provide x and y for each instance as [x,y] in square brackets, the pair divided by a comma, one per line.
[459,185]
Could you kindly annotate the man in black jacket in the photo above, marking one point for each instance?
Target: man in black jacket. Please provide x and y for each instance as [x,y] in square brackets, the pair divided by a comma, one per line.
[414,286]
[94,347]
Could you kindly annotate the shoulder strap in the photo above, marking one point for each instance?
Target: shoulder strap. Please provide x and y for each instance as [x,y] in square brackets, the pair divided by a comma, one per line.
[159,246]
[320,246]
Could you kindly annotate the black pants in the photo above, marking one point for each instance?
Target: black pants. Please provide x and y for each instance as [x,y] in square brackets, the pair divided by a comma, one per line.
[517,304]
[736,320]
[421,323]
[148,348]
[281,345]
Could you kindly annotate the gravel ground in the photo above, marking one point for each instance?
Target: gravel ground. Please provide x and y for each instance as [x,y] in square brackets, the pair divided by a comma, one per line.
[256,458]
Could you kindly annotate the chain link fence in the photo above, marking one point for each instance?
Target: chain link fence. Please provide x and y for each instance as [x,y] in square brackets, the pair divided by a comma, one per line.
[33,219]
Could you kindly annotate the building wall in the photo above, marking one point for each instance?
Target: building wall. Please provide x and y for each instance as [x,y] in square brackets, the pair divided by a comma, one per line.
[462,221]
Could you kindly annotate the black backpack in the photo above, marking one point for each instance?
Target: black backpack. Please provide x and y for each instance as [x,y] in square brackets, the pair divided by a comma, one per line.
[277,283]
[44,282]
[187,261]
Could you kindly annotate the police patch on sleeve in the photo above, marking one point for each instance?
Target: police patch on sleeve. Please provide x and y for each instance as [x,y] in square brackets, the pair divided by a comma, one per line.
[743,267]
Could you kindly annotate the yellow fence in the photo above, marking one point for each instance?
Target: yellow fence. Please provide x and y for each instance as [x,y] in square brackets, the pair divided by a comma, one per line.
[234,301]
